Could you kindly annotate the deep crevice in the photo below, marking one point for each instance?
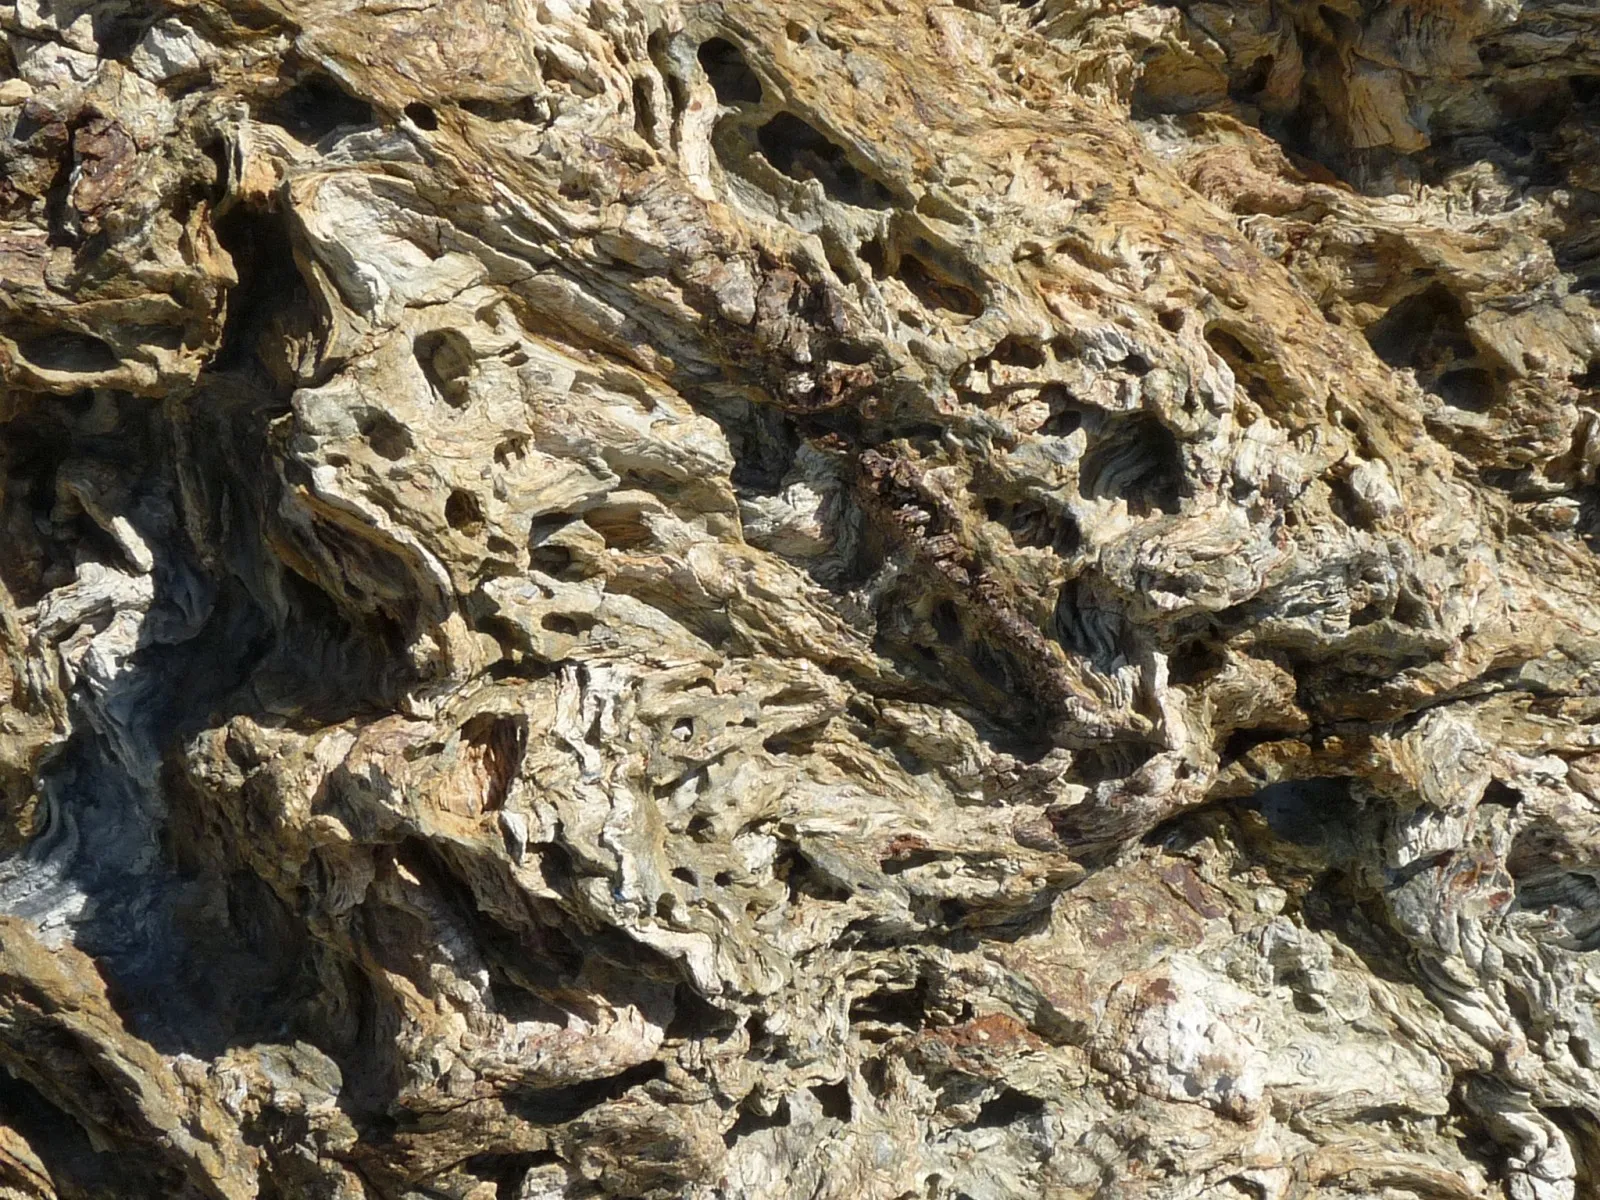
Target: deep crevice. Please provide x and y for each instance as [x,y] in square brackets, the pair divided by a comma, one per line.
[935,290]
[731,77]
[802,152]
[313,106]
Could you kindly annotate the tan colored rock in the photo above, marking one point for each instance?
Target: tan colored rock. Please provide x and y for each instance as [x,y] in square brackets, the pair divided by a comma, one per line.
[639,599]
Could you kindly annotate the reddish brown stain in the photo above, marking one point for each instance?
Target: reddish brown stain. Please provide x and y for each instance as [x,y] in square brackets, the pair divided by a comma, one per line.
[990,1031]
[1186,885]
[106,158]
[1157,991]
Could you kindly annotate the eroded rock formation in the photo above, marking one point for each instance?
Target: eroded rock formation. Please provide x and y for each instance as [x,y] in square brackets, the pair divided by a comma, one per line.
[608,598]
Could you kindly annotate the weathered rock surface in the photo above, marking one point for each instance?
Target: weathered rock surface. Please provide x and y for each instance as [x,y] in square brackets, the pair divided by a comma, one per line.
[614,598]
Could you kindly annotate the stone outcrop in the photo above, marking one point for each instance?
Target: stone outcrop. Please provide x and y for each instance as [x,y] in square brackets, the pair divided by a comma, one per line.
[636,598]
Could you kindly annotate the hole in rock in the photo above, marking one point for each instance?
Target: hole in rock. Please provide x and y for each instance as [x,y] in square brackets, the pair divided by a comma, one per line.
[910,861]
[1467,388]
[621,526]
[523,108]
[497,744]
[1194,661]
[1530,110]
[906,1007]
[644,109]
[802,152]
[731,77]
[446,358]
[388,438]
[764,443]
[751,1121]
[660,48]
[570,624]
[694,1019]
[1034,524]
[1427,331]
[1309,812]
[117,33]
[794,741]
[1088,626]
[851,354]
[936,291]
[835,1100]
[558,1105]
[1136,459]
[875,1074]
[1501,794]
[514,448]
[993,667]
[63,350]
[805,879]
[1182,832]
[1254,80]
[1066,414]
[506,1171]
[1245,362]
[1014,351]
[762,1038]
[422,116]
[463,512]
[1098,764]
[1581,1128]
[77,1166]
[167,337]
[1228,347]
[269,301]
[1367,614]
[314,106]
[873,255]
[1412,611]
[1541,886]
[1008,1107]
[552,560]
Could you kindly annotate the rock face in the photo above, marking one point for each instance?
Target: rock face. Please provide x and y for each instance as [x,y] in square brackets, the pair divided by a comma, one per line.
[614,598]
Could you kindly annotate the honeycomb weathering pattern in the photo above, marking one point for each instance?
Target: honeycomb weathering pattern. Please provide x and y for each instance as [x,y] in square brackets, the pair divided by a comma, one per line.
[607,599]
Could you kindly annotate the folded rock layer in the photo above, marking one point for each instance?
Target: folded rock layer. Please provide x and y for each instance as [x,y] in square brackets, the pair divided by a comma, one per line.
[657,598]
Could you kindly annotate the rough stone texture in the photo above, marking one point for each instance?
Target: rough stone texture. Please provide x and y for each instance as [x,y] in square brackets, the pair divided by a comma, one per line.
[607,598]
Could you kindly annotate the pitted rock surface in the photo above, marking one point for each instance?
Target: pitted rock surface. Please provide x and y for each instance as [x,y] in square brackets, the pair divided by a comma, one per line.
[655,598]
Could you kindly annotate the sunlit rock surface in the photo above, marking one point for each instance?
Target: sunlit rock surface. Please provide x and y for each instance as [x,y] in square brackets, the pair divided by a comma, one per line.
[820,601]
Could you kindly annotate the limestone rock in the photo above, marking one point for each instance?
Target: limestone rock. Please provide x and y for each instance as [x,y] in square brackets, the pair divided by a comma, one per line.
[628,598]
